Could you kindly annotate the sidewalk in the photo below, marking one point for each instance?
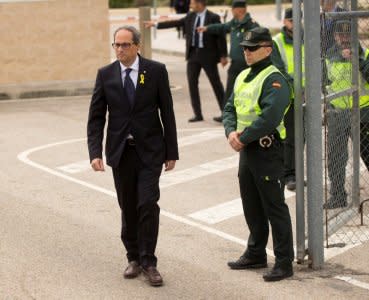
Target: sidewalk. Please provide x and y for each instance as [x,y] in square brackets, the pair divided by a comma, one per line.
[166,41]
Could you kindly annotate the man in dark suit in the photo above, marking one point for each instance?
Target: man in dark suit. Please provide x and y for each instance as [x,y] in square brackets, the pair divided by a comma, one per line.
[141,137]
[203,51]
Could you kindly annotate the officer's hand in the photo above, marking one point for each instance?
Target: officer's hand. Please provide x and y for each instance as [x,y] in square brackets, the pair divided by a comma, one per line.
[97,164]
[234,141]
[201,29]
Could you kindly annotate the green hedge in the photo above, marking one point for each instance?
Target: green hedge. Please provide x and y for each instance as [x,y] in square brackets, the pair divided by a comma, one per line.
[133,3]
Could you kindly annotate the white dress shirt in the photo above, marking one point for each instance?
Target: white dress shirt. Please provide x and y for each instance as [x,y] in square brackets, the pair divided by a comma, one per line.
[201,34]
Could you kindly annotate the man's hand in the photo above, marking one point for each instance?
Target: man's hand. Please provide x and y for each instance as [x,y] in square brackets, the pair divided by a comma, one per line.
[201,29]
[234,141]
[169,165]
[223,61]
[149,24]
[97,164]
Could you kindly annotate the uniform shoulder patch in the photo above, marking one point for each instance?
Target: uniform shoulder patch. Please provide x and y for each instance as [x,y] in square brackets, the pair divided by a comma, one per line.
[276,84]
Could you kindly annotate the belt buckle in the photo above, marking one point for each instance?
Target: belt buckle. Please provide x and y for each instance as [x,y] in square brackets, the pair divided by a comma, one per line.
[266,141]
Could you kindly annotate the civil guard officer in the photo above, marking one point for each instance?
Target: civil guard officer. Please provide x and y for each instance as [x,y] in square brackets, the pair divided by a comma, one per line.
[253,121]
[282,57]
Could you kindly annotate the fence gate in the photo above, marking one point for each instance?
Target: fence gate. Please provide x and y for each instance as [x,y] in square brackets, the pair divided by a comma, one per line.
[345,98]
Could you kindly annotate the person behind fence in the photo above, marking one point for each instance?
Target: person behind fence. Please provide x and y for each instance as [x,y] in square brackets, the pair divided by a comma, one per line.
[339,77]
[203,51]
[253,122]
[326,23]
[237,26]
[141,137]
[283,59]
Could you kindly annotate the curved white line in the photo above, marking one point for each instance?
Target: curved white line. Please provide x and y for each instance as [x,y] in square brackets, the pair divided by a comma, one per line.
[23,156]
[354,282]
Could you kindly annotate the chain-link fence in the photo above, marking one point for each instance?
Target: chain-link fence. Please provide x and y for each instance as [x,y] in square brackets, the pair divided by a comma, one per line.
[345,86]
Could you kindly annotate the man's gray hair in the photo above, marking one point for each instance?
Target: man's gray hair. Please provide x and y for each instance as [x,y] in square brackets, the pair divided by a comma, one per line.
[136,35]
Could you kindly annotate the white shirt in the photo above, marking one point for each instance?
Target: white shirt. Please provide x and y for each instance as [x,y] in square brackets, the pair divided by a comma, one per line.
[134,72]
[201,34]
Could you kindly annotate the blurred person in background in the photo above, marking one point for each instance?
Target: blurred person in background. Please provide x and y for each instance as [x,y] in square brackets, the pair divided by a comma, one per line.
[237,26]
[338,77]
[283,59]
[203,51]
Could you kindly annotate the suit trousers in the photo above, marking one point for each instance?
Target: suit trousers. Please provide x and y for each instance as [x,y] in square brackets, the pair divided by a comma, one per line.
[198,60]
[137,188]
[262,193]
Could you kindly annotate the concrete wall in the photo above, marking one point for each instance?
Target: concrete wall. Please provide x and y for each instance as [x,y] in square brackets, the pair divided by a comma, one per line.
[55,40]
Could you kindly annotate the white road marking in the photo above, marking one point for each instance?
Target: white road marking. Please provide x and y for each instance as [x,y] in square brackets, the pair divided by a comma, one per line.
[176,177]
[84,165]
[219,213]
[354,282]
[224,211]
[76,167]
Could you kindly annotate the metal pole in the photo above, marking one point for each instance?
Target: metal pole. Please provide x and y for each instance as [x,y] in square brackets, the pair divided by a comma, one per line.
[314,133]
[278,11]
[355,120]
[299,131]
[145,15]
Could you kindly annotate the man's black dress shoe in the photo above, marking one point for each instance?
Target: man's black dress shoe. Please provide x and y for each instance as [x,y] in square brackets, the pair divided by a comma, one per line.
[247,263]
[133,270]
[278,273]
[196,119]
[153,275]
[218,119]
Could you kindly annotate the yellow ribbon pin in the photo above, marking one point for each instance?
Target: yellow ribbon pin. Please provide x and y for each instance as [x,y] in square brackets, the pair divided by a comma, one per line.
[142,78]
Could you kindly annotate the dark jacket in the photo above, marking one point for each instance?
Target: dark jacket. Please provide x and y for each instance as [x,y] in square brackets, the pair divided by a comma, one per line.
[216,46]
[151,120]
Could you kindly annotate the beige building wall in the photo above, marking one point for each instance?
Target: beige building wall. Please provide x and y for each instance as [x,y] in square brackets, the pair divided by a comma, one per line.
[55,40]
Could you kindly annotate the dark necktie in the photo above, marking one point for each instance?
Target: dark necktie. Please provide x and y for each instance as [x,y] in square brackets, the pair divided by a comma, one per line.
[196,39]
[129,87]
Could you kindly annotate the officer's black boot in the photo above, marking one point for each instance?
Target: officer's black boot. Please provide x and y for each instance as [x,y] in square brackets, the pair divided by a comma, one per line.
[247,263]
[279,272]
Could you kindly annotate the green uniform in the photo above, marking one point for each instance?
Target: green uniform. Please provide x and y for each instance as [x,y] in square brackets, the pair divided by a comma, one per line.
[236,29]
[256,108]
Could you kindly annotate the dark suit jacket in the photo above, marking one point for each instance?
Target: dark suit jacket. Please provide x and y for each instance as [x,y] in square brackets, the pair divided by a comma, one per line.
[215,45]
[151,120]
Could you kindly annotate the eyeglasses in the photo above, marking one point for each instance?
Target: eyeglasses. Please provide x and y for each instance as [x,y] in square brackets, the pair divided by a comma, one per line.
[254,48]
[122,45]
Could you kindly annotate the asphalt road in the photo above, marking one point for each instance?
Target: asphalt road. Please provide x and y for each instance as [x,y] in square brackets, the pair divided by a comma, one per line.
[60,221]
